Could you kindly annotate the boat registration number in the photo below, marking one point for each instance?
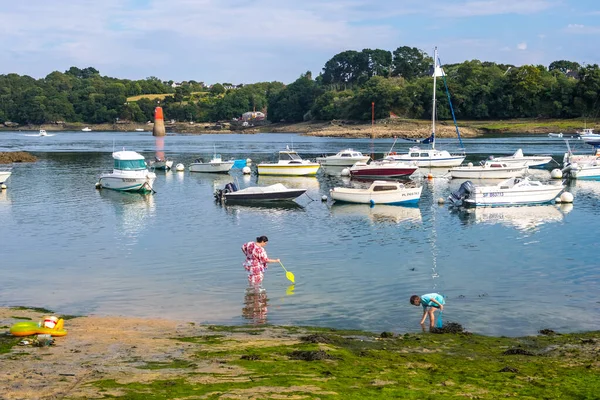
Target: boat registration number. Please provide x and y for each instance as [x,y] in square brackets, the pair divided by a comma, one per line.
[493,194]
[128,179]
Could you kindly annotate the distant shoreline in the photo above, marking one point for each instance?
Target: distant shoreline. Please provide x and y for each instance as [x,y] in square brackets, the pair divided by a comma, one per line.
[349,129]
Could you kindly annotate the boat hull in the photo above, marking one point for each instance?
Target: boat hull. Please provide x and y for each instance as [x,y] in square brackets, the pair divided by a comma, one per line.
[492,196]
[341,162]
[278,196]
[288,170]
[220,167]
[122,183]
[529,161]
[163,165]
[587,172]
[382,172]
[404,196]
[487,173]
[4,175]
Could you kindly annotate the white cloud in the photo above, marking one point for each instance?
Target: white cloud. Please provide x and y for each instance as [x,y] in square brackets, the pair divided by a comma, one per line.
[582,29]
[522,46]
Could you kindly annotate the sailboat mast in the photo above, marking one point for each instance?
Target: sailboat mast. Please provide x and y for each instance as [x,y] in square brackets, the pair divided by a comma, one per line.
[433,104]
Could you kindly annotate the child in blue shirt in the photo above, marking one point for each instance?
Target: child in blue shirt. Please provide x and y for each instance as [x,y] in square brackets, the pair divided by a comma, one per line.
[430,303]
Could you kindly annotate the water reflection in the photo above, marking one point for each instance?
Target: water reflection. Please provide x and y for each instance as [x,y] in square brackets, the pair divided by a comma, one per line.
[255,305]
[132,211]
[291,182]
[526,218]
[379,213]
[5,200]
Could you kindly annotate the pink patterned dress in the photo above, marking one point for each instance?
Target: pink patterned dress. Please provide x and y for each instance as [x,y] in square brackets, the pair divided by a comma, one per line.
[255,263]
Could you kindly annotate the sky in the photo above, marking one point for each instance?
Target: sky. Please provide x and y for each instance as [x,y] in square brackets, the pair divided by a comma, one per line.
[249,41]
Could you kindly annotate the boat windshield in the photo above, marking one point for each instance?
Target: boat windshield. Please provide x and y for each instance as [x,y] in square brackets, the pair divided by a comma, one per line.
[130,165]
[289,156]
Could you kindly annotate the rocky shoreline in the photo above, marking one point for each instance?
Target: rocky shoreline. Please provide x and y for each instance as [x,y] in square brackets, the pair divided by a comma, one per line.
[349,129]
[107,357]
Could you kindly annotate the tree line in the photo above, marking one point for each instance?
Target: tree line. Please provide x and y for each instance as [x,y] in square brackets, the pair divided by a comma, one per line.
[398,82]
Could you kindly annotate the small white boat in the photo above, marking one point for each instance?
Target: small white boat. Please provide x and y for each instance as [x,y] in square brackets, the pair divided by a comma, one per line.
[161,164]
[343,159]
[276,192]
[488,170]
[215,165]
[430,158]
[570,158]
[289,164]
[4,175]
[588,136]
[139,129]
[589,170]
[512,191]
[86,129]
[43,132]
[519,159]
[558,135]
[130,174]
[382,169]
[380,192]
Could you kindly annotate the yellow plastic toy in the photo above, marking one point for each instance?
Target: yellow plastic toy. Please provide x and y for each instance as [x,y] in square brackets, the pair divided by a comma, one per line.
[51,326]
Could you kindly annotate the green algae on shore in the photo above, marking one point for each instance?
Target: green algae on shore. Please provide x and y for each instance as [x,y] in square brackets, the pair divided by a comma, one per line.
[411,366]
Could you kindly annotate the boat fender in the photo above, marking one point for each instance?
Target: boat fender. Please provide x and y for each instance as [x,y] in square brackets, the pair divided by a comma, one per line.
[372,202]
[393,153]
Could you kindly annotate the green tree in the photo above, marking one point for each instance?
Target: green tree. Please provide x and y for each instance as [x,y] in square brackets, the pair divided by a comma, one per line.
[410,62]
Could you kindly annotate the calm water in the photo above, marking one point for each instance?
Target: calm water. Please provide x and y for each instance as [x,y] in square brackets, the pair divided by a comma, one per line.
[176,254]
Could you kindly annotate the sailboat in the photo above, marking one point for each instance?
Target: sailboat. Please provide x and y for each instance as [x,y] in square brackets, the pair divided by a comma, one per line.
[424,157]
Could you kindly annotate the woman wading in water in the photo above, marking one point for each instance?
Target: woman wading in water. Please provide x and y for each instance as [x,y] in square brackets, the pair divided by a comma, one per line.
[256,259]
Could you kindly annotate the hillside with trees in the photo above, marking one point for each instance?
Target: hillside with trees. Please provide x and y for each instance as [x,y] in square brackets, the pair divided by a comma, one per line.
[399,82]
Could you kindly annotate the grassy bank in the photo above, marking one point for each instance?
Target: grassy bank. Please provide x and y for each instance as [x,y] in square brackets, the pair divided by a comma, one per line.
[104,357]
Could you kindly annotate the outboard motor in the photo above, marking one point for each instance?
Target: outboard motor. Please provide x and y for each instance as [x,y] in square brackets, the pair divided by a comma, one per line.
[229,188]
[463,192]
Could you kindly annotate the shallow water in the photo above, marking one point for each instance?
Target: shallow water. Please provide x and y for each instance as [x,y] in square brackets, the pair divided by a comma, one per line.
[176,254]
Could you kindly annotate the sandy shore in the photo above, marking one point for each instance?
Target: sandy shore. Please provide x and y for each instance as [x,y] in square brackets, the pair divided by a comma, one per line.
[122,357]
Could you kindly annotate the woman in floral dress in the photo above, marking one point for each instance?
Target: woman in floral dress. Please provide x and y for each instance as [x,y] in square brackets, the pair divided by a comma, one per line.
[256,259]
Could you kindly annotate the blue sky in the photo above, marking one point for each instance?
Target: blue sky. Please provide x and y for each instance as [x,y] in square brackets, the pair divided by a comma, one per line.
[247,41]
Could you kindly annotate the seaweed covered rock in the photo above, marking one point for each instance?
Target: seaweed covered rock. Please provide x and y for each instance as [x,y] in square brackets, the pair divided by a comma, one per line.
[16,157]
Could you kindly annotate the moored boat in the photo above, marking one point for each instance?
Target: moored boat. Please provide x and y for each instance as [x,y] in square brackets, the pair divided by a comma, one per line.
[276,192]
[583,170]
[558,135]
[382,169]
[161,163]
[215,165]
[488,170]
[380,192]
[86,129]
[130,174]
[518,158]
[512,191]
[588,136]
[43,132]
[290,163]
[4,175]
[344,158]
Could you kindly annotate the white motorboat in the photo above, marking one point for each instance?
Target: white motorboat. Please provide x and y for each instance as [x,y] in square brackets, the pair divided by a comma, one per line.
[130,174]
[43,132]
[558,135]
[139,129]
[86,129]
[570,158]
[512,191]
[289,163]
[382,169]
[344,158]
[488,170]
[519,159]
[380,192]
[161,163]
[4,175]
[589,170]
[588,136]
[430,158]
[276,192]
[215,165]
